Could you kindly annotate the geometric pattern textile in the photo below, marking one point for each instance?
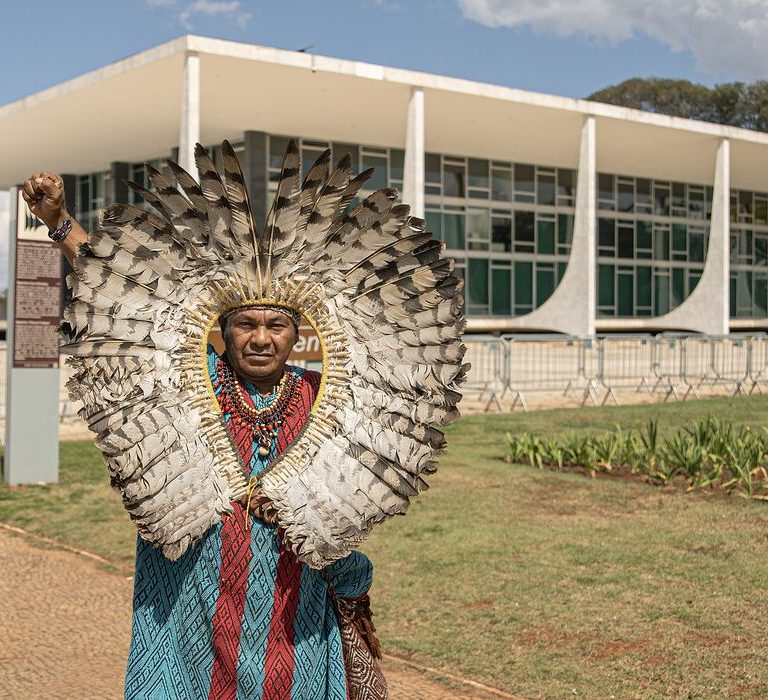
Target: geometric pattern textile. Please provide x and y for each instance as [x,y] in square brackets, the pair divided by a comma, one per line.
[238,616]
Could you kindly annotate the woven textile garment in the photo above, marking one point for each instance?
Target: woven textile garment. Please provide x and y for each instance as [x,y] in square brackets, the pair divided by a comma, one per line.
[238,616]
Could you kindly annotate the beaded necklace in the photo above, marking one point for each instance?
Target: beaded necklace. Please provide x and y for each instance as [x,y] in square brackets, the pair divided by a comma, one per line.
[264,422]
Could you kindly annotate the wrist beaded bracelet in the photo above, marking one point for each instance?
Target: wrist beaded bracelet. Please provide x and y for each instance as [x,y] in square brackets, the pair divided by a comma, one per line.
[60,233]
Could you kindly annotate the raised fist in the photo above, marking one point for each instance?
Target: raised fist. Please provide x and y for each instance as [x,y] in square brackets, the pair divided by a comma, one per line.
[44,195]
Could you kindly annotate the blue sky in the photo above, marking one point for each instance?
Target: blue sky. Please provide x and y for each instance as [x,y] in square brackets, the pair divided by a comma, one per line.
[565,47]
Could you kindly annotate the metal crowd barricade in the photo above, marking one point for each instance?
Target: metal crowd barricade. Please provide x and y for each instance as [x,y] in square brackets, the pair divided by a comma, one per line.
[543,363]
[668,361]
[624,362]
[488,356]
[716,361]
[758,363]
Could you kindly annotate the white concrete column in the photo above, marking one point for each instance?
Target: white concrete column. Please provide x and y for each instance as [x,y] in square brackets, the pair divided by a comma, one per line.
[413,176]
[189,131]
[585,224]
[571,309]
[707,309]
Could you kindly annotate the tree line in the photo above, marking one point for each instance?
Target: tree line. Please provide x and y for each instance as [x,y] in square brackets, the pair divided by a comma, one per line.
[735,104]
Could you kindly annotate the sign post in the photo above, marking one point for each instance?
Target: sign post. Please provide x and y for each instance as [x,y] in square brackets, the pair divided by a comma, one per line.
[32,387]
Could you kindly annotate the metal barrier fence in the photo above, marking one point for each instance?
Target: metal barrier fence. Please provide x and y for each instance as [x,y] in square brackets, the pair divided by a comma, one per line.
[508,368]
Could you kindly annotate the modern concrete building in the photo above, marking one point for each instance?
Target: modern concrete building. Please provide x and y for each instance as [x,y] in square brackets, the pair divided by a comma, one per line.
[563,215]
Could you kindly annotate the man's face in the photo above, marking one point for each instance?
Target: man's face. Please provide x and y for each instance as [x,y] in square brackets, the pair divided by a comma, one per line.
[258,343]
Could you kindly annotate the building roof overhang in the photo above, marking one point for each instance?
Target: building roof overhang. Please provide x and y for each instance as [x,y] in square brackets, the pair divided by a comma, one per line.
[130,111]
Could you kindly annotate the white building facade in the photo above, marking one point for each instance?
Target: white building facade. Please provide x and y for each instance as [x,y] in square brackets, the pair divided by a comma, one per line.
[563,215]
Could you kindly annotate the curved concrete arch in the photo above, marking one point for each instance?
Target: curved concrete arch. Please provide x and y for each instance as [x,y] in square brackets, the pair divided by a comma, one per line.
[706,309]
[571,307]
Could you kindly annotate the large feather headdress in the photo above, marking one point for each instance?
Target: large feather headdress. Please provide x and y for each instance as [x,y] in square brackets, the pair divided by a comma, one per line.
[384,301]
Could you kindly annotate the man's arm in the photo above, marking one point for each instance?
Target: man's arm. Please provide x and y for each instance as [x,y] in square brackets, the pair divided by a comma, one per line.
[44,195]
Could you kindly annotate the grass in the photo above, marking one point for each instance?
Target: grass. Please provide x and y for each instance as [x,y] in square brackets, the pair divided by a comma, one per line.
[545,584]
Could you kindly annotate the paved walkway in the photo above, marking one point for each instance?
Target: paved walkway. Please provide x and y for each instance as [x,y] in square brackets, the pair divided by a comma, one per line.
[65,628]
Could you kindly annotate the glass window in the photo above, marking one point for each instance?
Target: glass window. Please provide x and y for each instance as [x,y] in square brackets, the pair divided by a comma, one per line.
[501,185]
[661,292]
[626,191]
[453,230]
[379,178]
[626,240]
[679,206]
[525,185]
[679,241]
[661,242]
[661,198]
[696,206]
[478,176]
[605,285]
[761,295]
[477,292]
[566,187]
[434,223]
[678,287]
[432,174]
[501,299]
[696,250]
[396,164]
[501,234]
[478,229]
[745,247]
[644,232]
[523,286]
[606,237]
[605,192]
[745,207]
[546,190]
[626,306]
[454,178]
[743,292]
[761,250]
[84,195]
[545,282]
[761,210]
[732,295]
[643,278]
[564,233]
[643,204]
[524,231]
[546,237]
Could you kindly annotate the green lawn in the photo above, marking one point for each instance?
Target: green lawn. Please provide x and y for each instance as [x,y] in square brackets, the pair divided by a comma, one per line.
[545,584]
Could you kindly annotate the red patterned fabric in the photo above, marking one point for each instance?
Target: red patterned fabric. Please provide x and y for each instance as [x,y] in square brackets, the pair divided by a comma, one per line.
[235,561]
[228,618]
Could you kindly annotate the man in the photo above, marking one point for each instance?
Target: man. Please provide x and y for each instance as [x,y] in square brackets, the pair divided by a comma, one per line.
[237,616]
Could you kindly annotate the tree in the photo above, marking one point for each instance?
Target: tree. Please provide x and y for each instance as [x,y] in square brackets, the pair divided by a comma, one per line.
[734,104]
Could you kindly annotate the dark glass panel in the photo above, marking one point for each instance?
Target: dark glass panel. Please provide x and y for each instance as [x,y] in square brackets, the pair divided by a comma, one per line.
[626,306]
[477,293]
[546,237]
[546,191]
[523,283]
[501,299]
[501,234]
[453,231]
[379,178]
[501,185]
[644,286]
[524,231]
[454,178]
[605,285]
[478,173]
[545,284]
[626,241]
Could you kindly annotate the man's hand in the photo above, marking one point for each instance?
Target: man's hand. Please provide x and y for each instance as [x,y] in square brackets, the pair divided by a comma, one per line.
[44,195]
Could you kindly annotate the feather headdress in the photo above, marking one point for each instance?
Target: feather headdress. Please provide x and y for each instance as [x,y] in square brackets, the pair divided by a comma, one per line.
[384,301]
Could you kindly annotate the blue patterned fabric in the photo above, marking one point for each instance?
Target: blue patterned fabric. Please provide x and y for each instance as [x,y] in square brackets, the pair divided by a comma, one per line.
[171,655]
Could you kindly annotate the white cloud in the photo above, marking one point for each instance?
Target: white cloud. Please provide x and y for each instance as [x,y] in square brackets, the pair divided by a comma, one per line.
[231,9]
[726,36]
